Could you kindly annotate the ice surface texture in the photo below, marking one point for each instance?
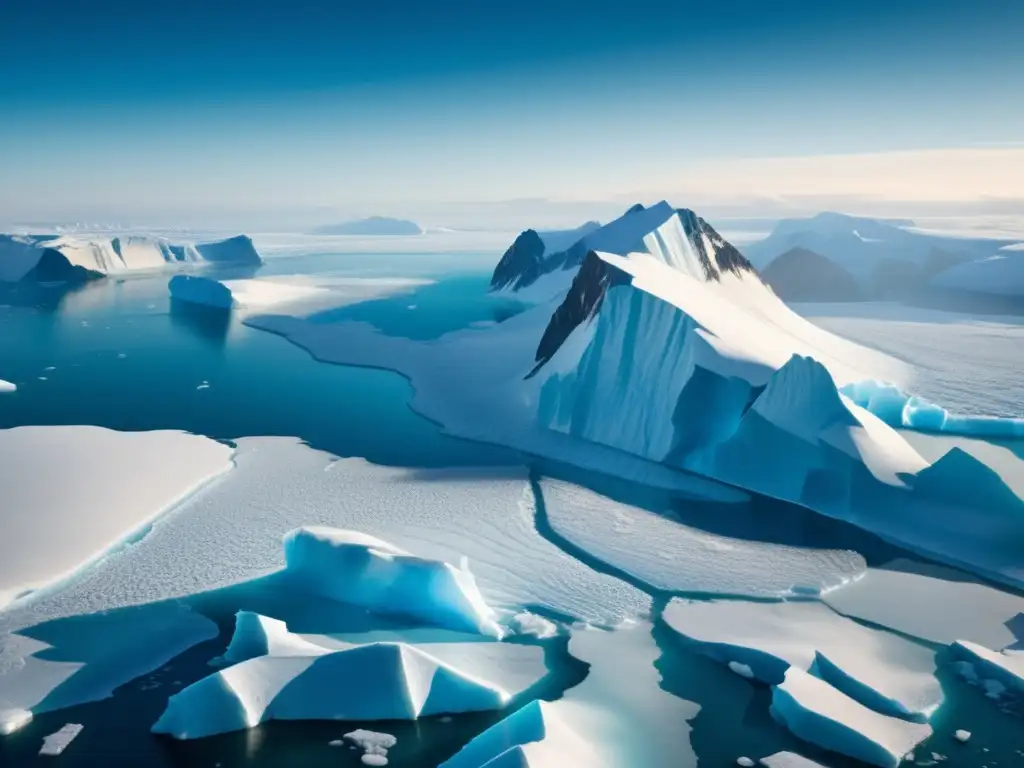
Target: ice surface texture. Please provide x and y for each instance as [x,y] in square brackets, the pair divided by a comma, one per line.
[71,493]
[48,257]
[358,569]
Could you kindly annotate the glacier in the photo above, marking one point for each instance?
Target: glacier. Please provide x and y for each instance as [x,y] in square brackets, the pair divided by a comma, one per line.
[378,681]
[881,671]
[358,569]
[675,363]
[49,258]
[999,274]
[820,714]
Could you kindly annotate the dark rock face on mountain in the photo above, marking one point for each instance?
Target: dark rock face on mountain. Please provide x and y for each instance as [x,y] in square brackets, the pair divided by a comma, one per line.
[725,257]
[800,274]
[582,302]
[521,264]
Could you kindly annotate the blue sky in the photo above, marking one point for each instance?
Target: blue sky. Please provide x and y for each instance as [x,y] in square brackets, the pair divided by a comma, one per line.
[186,110]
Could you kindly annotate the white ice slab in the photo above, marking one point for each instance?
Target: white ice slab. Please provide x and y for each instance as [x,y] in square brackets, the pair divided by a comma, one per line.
[788,760]
[70,493]
[668,555]
[933,603]
[483,514]
[56,743]
[1005,667]
[880,670]
[818,713]
[6,386]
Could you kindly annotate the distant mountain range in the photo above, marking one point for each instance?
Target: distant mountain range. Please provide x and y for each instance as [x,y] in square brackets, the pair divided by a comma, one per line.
[373,226]
[834,257]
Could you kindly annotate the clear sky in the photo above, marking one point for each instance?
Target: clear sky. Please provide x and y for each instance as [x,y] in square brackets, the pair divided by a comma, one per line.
[192,109]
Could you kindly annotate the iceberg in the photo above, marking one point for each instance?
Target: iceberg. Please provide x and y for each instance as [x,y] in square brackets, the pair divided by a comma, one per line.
[1005,667]
[247,293]
[879,670]
[46,258]
[6,386]
[898,409]
[532,737]
[375,745]
[378,681]
[361,570]
[820,714]
[257,635]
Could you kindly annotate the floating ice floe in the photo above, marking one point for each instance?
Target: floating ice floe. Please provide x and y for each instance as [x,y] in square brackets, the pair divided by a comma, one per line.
[309,292]
[532,737]
[71,493]
[375,745]
[1004,668]
[962,736]
[378,681]
[56,743]
[820,714]
[788,760]
[668,555]
[619,715]
[6,386]
[358,569]
[930,602]
[526,623]
[879,670]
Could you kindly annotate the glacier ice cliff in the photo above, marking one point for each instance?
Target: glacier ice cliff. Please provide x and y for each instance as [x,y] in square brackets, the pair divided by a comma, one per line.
[66,258]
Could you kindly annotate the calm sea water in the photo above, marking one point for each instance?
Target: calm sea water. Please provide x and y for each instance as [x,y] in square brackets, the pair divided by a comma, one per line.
[118,354]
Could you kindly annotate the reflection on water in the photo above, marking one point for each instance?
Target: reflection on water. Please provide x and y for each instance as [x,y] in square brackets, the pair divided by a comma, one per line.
[207,323]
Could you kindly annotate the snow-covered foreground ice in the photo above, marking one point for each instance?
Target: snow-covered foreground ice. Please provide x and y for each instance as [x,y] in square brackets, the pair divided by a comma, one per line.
[232,532]
[70,493]
[820,714]
[667,555]
[881,671]
[969,365]
[617,716]
[936,604]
